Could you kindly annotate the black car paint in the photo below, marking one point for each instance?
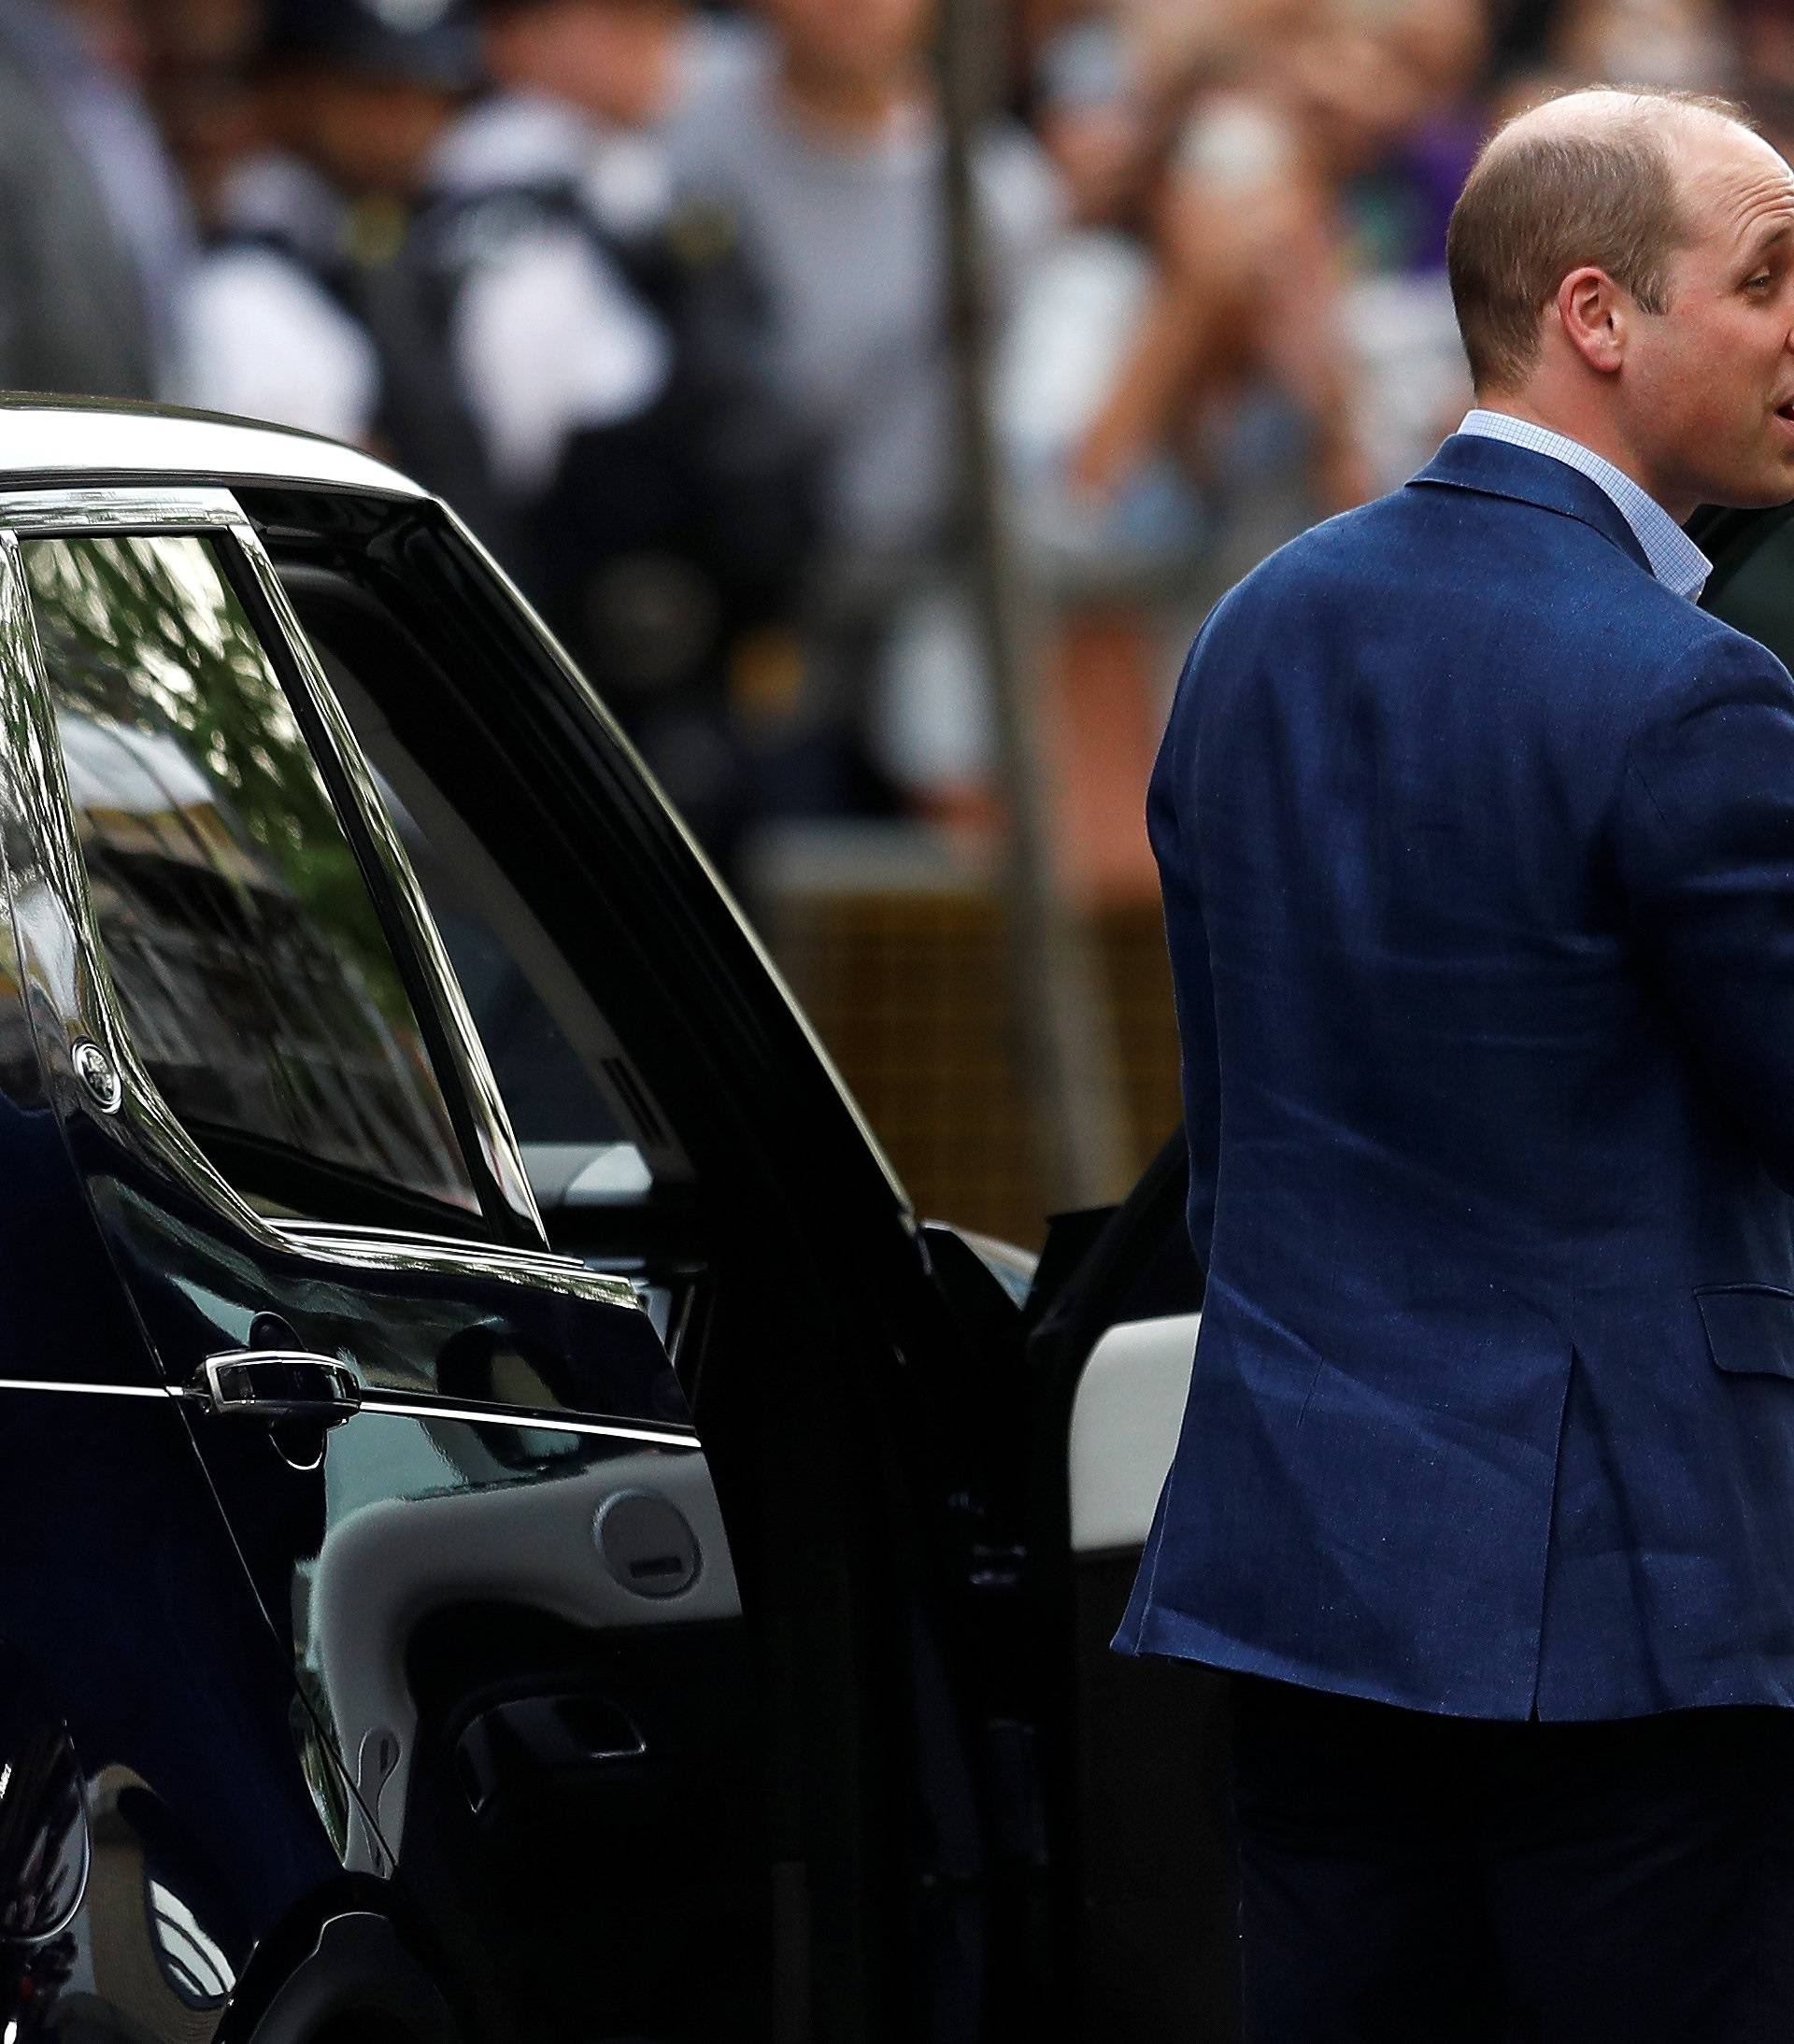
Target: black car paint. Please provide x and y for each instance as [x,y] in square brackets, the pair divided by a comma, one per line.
[188,1774]
[848,1430]
[844,1356]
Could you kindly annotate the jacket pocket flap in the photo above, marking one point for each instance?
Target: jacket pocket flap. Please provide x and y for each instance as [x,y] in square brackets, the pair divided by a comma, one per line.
[1750,1327]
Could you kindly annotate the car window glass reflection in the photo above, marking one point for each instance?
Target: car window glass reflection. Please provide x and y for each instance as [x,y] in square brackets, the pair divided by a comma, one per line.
[241,940]
[575,1145]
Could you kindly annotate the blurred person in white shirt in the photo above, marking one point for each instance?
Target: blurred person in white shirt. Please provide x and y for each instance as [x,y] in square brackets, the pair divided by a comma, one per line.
[1109,501]
[825,143]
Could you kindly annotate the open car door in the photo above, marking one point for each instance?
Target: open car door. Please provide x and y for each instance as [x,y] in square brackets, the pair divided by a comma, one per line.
[1135,1751]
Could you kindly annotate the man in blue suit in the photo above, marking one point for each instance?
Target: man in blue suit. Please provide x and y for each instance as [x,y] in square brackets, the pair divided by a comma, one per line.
[1477,844]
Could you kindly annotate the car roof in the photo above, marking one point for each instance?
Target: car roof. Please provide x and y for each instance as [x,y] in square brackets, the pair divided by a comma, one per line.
[101,440]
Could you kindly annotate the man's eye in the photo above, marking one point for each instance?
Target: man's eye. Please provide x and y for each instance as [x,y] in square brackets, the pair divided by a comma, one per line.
[1760,282]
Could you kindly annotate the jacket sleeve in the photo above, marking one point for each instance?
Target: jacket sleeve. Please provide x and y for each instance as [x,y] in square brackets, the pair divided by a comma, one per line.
[1704,841]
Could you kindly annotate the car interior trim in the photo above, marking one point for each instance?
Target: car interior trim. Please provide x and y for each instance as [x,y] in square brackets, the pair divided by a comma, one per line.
[1130,1404]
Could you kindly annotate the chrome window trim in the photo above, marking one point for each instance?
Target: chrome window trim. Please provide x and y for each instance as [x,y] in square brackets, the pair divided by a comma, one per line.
[39,513]
[375,1400]
[668,1435]
[47,894]
[442,1255]
[69,996]
[91,1390]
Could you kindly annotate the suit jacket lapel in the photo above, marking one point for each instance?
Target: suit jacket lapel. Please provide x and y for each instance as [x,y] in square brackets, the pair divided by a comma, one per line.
[1497,468]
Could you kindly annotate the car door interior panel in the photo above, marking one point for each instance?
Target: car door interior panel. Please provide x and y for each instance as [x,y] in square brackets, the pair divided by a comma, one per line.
[1129,1405]
[1140,1746]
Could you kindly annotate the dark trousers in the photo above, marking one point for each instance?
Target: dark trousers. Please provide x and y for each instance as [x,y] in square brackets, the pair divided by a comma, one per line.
[1407,1878]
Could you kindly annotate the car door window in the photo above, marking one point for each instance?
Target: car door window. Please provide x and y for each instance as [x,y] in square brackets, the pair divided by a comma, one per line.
[597,1147]
[612,1176]
[578,1146]
[243,943]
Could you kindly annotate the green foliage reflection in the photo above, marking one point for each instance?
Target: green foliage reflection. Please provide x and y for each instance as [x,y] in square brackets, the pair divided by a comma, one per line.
[239,931]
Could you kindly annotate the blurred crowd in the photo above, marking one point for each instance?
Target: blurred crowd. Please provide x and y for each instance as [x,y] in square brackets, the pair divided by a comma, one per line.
[658,295]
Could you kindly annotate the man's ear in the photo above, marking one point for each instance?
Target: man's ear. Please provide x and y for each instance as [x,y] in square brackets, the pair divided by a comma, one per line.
[1594,313]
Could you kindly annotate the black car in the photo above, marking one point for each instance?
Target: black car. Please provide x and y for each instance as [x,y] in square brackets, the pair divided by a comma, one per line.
[512,1528]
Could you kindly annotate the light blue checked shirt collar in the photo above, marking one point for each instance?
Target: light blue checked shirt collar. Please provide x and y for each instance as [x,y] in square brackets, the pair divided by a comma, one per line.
[1676,561]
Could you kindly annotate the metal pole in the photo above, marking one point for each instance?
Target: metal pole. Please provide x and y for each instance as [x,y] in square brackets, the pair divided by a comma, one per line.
[1069,1080]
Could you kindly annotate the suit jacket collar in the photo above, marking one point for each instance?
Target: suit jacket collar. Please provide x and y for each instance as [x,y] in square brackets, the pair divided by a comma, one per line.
[1496,468]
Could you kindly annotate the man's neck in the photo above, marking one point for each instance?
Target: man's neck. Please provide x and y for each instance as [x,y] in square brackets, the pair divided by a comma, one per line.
[849,113]
[1593,434]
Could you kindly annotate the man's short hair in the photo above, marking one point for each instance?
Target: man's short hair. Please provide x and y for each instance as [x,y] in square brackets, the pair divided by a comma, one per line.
[1537,206]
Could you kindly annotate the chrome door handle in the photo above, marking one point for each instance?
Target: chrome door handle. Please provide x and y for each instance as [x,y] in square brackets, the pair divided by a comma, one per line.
[274,1383]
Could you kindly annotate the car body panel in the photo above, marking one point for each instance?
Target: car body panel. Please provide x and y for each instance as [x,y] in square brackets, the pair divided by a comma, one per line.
[105,441]
[508,1399]
[203,1827]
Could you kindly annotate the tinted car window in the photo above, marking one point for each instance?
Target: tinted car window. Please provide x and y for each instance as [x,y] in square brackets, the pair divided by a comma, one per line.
[594,1144]
[242,940]
[575,1145]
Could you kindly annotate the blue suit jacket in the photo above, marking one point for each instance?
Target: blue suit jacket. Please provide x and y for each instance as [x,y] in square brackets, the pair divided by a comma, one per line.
[1477,847]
